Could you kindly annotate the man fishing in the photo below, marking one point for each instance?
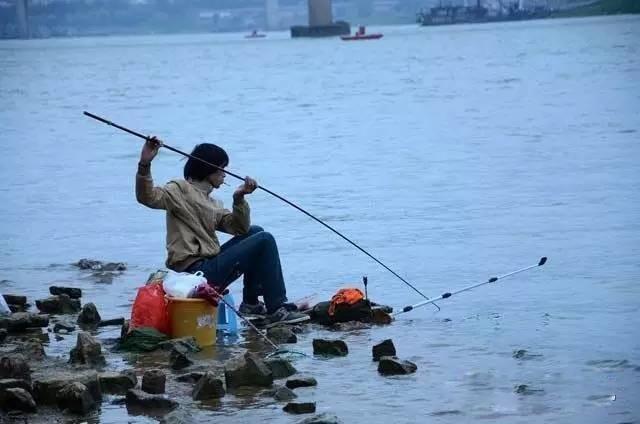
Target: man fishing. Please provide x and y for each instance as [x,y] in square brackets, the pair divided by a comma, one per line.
[193,218]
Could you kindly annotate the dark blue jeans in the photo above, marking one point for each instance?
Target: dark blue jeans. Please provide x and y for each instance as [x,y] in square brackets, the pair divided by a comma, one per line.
[256,256]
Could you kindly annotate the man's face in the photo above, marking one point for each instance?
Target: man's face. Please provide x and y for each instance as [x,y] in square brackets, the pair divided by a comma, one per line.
[217,178]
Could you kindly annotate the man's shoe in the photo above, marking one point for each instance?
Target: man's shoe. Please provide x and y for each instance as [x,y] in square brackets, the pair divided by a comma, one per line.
[283,316]
[249,309]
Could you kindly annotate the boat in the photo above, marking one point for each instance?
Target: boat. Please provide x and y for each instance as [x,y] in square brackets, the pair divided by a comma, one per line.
[449,15]
[360,35]
[255,34]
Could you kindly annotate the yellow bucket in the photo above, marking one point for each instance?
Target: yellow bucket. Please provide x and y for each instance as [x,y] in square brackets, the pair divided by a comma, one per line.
[193,317]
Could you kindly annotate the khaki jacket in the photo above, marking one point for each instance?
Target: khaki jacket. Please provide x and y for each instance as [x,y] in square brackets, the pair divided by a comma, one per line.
[192,219]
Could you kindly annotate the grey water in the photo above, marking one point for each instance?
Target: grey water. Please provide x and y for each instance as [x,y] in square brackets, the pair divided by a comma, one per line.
[453,154]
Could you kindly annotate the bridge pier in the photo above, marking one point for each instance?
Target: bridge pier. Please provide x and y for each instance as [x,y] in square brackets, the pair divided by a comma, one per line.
[22,18]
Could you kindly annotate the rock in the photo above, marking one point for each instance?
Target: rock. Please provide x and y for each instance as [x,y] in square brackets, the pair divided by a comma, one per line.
[300,407]
[280,368]
[15,366]
[114,321]
[330,347]
[144,339]
[124,330]
[115,383]
[12,383]
[191,377]
[89,316]
[60,304]
[18,308]
[63,327]
[384,348]
[139,402]
[178,360]
[21,321]
[524,389]
[252,372]
[75,398]
[379,316]
[72,292]
[88,351]
[100,266]
[153,381]
[58,337]
[281,334]
[323,418]
[302,381]
[394,366]
[208,387]
[3,335]
[283,394]
[48,382]
[350,326]
[183,344]
[33,349]
[13,299]
[178,416]
[17,399]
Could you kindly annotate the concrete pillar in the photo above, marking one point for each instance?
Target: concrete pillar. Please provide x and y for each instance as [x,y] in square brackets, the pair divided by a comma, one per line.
[320,12]
[22,18]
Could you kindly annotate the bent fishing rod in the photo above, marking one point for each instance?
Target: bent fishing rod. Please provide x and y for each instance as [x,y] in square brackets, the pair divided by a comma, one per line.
[146,138]
[447,295]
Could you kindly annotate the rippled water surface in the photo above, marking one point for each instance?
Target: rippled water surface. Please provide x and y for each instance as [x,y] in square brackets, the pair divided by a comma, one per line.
[452,153]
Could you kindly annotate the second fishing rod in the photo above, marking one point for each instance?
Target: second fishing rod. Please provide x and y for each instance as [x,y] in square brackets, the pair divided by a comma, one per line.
[354,244]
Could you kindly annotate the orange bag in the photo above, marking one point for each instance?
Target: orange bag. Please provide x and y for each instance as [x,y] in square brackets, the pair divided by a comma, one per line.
[345,297]
[150,309]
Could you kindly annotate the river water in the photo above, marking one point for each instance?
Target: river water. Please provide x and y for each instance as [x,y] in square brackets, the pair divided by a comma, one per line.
[451,153]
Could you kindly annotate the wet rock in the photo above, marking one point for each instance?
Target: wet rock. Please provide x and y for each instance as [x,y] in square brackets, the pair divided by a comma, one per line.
[393,366]
[124,330]
[350,326]
[114,321]
[139,402]
[183,344]
[280,368]
[302,381]
[13,299]
[21,321]
[89,316]
[178,416]
[32,349]
[63,327]
[3,335]
[379,316]
[117,383]
[60,304]
[300,407]
[282,335]
[323,418]
[18,308]
[283,394]
[15,366]
[72,292]
[384,348]
[524,389]
[208,387]
[100,266]
[383,308]
[47,383]
[58,337]
[153,381]
[17,399]
[88,351]
[12,383]
[330,347]
[252,372]
[178,359]
[524,355]
[191,377]
[75,398]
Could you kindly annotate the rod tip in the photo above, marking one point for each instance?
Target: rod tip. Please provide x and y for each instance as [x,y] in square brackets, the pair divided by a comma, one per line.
[543,260]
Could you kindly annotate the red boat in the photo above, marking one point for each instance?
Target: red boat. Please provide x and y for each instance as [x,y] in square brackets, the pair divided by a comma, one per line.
[360,35]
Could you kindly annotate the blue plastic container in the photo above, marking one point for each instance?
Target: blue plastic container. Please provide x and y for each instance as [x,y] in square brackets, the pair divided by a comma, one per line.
[226,317]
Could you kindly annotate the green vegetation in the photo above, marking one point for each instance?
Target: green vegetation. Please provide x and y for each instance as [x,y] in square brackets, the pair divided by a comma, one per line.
[602,7]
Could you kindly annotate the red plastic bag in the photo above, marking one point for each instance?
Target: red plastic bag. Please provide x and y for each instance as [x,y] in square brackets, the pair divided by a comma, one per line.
[150,309]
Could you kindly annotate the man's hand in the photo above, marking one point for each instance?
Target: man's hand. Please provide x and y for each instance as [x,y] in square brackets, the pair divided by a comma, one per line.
[150,150]
[249,186]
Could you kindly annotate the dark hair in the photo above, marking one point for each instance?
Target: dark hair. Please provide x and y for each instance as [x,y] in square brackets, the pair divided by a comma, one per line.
[197,170]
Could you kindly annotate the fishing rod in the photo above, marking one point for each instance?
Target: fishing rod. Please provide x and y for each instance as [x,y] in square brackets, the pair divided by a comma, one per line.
[137,134]
[447,295]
